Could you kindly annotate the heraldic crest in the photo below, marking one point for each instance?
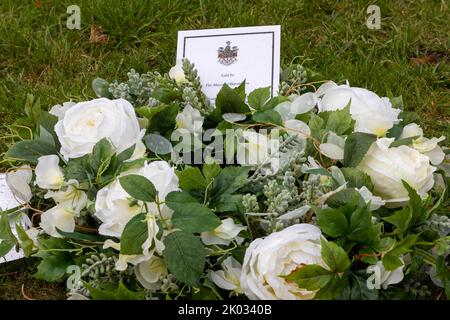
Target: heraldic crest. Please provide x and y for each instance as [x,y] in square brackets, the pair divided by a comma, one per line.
[227,55]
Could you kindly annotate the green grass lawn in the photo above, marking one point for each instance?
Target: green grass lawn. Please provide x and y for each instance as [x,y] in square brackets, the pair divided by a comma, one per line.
[39,55]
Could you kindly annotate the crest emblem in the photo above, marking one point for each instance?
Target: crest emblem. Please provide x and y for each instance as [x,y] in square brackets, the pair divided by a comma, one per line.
[227,55]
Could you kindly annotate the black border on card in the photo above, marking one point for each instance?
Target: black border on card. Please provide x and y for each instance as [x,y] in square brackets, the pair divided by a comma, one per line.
[240,34]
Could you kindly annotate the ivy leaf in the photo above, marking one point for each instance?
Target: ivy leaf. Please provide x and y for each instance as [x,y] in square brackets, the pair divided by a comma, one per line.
[335,257]
[338,121]
[139,187]
[55,259]
[356,147]
[189,215]
[361,229]
[258,97]
[25,242]
[211,171]
[191,178]
[356,178]
[184,256]
[134,235]
[230,101]
[164,121]
[273,102]
[119,293]
[101,153]
[346,196]
[311,277]
[316,124]
[401,219]
[267,116]
[225,184]
[332,222]
[7,239]
[391,260]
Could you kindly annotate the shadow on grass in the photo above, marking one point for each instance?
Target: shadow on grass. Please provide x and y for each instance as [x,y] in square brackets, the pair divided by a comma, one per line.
[17,274]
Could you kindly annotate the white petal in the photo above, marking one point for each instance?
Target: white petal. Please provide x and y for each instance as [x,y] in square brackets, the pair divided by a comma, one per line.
[332,151]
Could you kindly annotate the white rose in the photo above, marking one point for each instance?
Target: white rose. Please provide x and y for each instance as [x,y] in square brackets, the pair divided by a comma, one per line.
[382,277]
[224,234]
[228,277]
[190,119]
[176,73]
[114,207]
[86,123]
[371,113]
[18,182]
[49,174]
[387,167]
[279,254]
[149,273]
[375,202]
[428,147]
[60,217]
[71,197]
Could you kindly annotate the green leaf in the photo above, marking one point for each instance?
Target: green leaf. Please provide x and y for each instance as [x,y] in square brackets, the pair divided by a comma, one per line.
[100,87]
[230,101]
[361,229]
[401,219]
[408,117]
[258,97]
[335,257]
[332,222]
[338,121]
[101,154]
[225,184]
[356,147]
[149,112]
[134,235]
[189,215]
[7,239]
[267,116]
[211,171]
[191,178]
[139,187]
[345,196]
[358,289]
[55,259]
[165,94]
[401,142]
[184,256]
[419,211]
[80,236]
[164,120]
[272,103]
[357,178]
[316,124]
[158,144]
[311,277]
[391,260]
[25,242]
[119,293]
[31,150]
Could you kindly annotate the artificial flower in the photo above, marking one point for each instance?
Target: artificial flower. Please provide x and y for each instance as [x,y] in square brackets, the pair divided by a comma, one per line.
[19,181]
[49,174]
[223,234]
[228,277]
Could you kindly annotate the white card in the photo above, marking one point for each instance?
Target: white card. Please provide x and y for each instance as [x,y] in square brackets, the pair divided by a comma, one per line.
[233,55]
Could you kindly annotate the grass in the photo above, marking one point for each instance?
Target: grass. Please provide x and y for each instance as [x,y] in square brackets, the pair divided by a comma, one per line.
[39,55]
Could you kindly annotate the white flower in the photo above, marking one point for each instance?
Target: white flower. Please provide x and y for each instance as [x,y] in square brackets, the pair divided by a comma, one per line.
[72,196]
[375,202]
[190,119]
[223,234]
[256,149]
[150,272]
[372,114]
[296,105]
[176,73]
[281,253]
[60,217]
[114,207]
[18,182]
[387,167]
[86,123]
[49,174]
[428,147]
[122,262]
[228,277]
[382,277]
